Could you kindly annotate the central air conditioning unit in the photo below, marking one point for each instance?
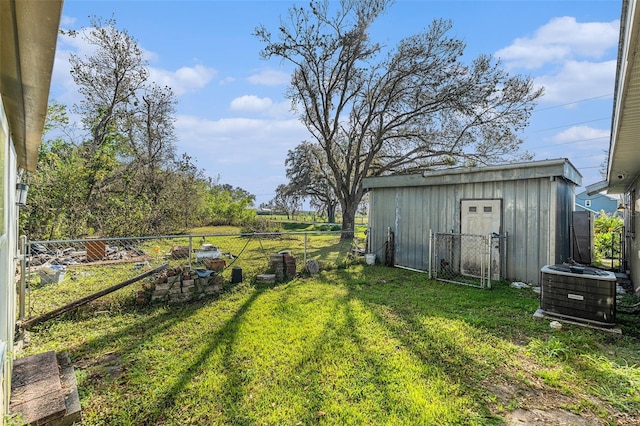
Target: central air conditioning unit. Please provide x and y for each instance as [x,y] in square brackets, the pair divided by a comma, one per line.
[579,293]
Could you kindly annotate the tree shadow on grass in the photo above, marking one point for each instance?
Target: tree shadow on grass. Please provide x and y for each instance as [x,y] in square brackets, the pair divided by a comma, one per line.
[472,345]
[132,339]
[351,370]
[322,388]
[155,411]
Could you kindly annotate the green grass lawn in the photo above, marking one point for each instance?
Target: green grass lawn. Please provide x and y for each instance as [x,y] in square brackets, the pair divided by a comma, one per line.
[361,345]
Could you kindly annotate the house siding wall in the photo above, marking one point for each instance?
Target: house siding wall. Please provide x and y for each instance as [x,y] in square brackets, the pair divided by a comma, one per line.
[632,231]
[8,239]
[599,203]
[536,216]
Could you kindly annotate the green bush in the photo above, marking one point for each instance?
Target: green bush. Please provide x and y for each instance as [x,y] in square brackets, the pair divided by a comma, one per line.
[607,236]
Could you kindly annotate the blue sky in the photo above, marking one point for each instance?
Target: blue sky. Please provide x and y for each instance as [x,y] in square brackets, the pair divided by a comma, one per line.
[233,118]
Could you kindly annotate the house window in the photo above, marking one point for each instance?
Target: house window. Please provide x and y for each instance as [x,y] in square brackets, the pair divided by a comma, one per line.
[473,209]
[487,209]
[587,203]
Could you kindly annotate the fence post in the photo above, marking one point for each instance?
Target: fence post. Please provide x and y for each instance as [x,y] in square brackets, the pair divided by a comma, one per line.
[613,248]
[190,249]
[504,256]
[305,248]
[489,266]
[430,251]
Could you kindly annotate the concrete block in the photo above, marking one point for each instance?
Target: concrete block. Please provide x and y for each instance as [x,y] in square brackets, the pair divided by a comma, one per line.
[266,279]
[164,286]
[158,298]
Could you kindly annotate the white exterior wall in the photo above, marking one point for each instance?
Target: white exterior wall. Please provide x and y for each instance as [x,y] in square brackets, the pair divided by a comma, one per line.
[632,231]
[8,242]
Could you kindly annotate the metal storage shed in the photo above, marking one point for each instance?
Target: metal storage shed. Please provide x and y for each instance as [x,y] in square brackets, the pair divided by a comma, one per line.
[532,203]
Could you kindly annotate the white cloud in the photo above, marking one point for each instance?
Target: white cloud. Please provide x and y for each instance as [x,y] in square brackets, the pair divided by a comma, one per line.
[227,80]
[584,134]
[252,143]
[63,88]
[244,152]
[183,80]
[251,103]
[270,77]
[560,39]
[578,80]
[67,21]
[254,137]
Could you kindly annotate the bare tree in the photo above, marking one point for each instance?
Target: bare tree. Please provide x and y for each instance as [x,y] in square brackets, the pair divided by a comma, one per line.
[129,150]
[107,79]
[307,172]
[287,199]
[151,146]
[377,111]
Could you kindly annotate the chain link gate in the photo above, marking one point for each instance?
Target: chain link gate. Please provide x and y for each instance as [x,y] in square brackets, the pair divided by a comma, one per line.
[466,259]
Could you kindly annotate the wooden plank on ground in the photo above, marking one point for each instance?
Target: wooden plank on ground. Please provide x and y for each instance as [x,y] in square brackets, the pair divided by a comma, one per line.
[36,391]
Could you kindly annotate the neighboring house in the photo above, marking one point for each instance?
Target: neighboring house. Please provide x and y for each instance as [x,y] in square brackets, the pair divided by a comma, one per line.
[28,34]
[530,204]
[596,203]
[623,168]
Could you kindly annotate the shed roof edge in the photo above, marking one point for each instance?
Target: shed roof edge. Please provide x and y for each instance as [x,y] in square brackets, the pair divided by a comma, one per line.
[561,167]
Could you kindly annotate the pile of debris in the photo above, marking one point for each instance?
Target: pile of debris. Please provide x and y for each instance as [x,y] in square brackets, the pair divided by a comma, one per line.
[94,252]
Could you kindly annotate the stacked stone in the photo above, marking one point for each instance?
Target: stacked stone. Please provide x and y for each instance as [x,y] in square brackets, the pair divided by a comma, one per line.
[179,285]
[276,261]
[289,266]
[283,265]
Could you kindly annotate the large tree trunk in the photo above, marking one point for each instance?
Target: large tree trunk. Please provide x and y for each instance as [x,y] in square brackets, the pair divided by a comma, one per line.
[349,209]
[331,212]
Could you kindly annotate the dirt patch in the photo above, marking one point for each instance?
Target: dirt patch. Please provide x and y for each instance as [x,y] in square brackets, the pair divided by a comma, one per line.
[527,400]
[547,417]
[110,364]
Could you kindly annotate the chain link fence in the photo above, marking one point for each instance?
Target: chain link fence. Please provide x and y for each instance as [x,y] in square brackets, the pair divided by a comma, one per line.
[466,259]
[59,272]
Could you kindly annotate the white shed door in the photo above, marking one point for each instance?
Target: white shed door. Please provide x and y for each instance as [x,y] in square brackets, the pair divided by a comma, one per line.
[480,217]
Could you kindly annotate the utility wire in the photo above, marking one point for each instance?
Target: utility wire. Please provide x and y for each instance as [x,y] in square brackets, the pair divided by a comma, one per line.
[574,102]
[573,124]
[569,143]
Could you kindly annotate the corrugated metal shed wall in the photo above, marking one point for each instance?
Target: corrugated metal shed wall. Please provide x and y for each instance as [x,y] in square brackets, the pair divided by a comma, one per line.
[564,211]
[536,217]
